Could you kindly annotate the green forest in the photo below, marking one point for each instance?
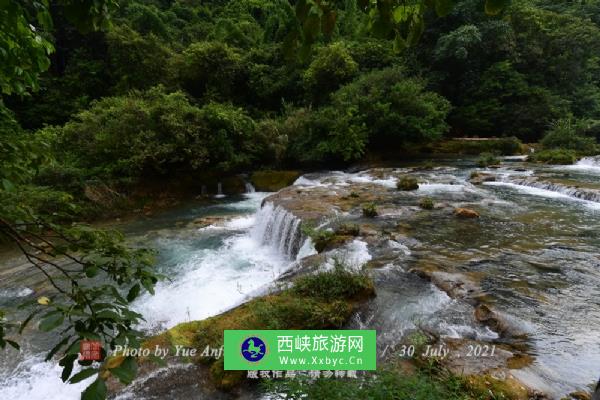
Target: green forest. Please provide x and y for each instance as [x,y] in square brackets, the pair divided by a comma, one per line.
[176,88]
[105,105]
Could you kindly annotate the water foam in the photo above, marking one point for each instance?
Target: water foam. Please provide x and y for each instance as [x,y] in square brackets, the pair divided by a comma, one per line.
[207,282]
[588,164]
[211,281]
[35,379]
[590,198]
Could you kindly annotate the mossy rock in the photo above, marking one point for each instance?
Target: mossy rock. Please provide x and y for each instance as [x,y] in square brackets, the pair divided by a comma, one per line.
[426,203]
[370,210]
[326,300]
[272,181]
[407,183]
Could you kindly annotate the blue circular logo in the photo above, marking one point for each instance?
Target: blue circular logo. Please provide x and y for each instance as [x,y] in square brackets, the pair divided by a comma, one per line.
[253,349]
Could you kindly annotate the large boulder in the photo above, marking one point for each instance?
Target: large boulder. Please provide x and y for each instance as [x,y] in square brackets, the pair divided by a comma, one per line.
[272,181]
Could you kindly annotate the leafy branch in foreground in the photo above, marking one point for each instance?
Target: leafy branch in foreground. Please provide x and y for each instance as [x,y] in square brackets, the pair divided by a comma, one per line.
[93,277]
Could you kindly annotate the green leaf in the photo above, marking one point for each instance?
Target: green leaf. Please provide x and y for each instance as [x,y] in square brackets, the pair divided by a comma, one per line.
[60,344]
[91,271]
[14,344]
[127,371]
[26,322]
[443,7]
[52,321]
[96,391]
[400,14]
[133,292]
[67,363]
[108,314]
[82,375]
[494,7]
[8,185]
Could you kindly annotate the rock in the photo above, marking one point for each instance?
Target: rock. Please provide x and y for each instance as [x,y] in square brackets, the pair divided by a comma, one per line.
[206,221]
[233,185]
[466,213]
[579,395]
[426,203]
[407,183]
[272,181]
[477,178]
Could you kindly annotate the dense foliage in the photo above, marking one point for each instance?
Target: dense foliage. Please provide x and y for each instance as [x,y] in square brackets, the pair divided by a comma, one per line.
[218,85]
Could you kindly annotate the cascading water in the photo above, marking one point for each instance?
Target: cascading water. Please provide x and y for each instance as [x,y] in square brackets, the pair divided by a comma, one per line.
[570,191]
[591,164]
[249,188]
[219,190]
[210,271]
[279,229]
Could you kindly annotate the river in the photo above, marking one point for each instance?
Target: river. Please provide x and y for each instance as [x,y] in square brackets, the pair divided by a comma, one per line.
[535,252]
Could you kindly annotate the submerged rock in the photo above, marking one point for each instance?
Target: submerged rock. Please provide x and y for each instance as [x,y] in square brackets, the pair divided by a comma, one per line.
[466,213]
[407,183]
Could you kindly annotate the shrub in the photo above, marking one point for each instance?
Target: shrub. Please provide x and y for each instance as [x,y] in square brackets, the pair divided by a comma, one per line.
[504,146]
[395,109]
[332,67]
[563,134]
[213,70]
[136,61]
[555,156]
[159,133]
[372,54]
[339,283]
[305,313]
[504,102]
[323,136]
[426,203]
[370,210]
[487,159]
[407,183]
[321,238]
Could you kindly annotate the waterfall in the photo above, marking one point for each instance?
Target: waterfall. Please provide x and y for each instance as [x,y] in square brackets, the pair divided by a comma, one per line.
[249,188]
[278,228]
[572,191]
[219,190]
[587,163]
